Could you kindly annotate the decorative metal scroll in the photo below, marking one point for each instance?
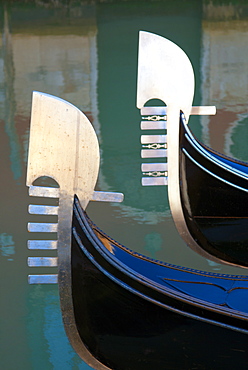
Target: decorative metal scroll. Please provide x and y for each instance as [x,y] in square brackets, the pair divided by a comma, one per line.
[154,146]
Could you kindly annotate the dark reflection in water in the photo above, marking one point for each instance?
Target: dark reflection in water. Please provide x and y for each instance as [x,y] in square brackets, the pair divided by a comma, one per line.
[87,54]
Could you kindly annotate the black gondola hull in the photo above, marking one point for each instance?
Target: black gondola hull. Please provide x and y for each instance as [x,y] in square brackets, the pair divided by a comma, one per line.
[129,325]
[214,200]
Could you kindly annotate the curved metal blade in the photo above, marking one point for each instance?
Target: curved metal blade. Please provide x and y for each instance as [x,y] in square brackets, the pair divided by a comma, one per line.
[62,145]
[164,72]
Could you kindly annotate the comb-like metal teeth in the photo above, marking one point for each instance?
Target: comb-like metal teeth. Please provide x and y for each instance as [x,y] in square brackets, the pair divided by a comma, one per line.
[153,153]
[150,125]
[50,192]
[43,279]
[151,181]
[42,210]
[42,261]
[42,244]
[146,139]
[42,191]
[35,227]
[154,167]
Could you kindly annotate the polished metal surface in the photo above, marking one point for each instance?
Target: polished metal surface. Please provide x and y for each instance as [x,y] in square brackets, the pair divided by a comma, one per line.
[147,181]
[169,78]
[182,89]
[147,111]
[153,153]
[43,210]
[151,125]
[43,227]
[63,146]
[146,167]
[156,117]
[61,49]
[165,73]
[42,261]
[42,191]
[155,146]
[145,139]
[107,196]
[43,279]
[155,173]
[42,244]
[201,110]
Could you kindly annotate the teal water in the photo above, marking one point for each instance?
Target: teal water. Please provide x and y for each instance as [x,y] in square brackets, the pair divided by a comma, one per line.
[86,53]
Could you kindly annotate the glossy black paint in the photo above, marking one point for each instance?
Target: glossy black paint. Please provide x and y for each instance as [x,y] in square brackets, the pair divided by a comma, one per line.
[136,313]
[214,198]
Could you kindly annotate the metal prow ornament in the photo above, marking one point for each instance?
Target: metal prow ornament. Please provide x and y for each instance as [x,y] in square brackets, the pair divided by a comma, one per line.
[165,73]
[63,146]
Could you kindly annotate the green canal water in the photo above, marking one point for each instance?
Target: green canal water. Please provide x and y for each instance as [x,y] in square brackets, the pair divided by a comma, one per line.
[86,53]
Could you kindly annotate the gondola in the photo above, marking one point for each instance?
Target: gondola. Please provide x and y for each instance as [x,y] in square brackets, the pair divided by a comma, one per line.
[132,312]
[122,310]
[208,191]
[214,200]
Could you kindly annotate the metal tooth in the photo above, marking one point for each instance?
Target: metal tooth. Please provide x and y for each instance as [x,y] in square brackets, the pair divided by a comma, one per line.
[146,167]
[104,196]
[148,181]
[34,227]
[149,125]
[42,191]
[43,279]
[146,111]
[42,261]
[203,110]
[145,139]
[42,210]
[153,153]
[42,244]
[198,110]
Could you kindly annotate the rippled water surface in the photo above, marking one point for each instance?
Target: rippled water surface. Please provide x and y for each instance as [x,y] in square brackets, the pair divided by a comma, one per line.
[86,53]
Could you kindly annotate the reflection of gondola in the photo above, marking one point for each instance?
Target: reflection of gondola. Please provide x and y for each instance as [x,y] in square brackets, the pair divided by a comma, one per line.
[132,312]
[122,310]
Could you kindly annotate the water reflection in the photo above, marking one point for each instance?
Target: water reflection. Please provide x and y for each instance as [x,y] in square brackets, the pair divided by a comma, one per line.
[153,243]
[7,246]
[87,55]
[8,99]
[50,349]
[224,78]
